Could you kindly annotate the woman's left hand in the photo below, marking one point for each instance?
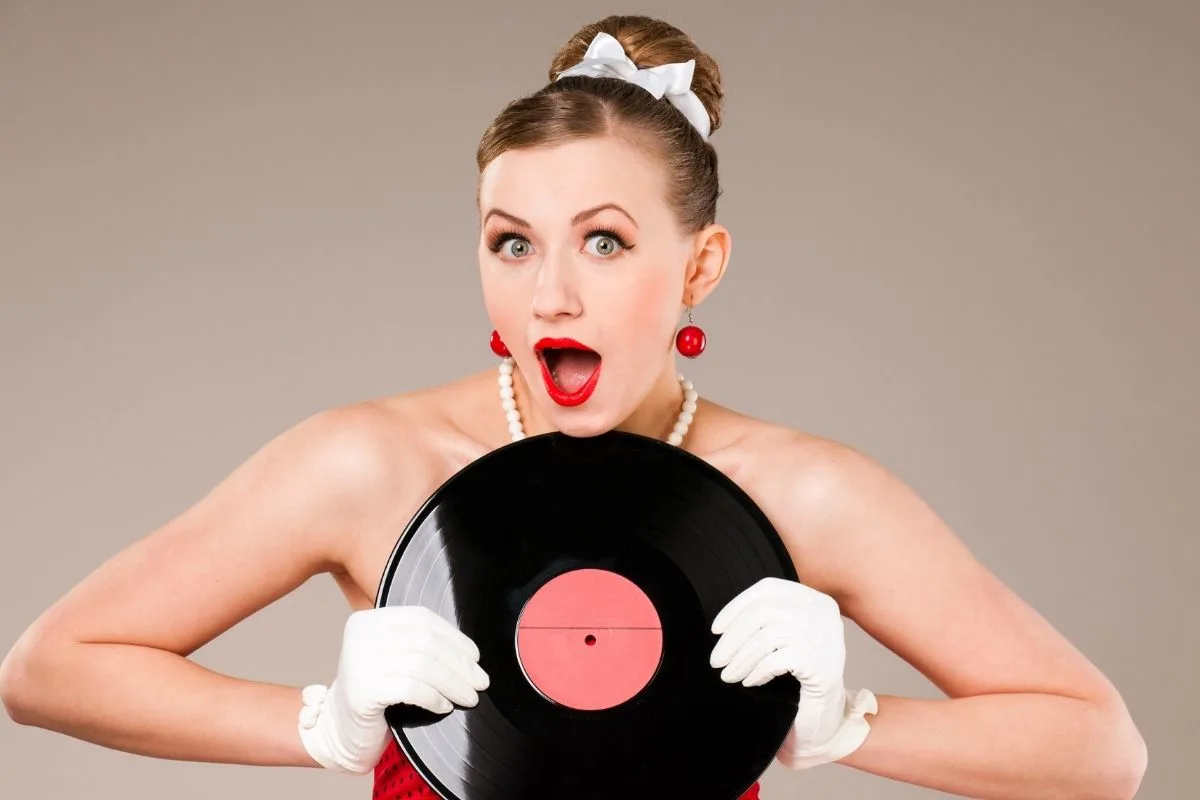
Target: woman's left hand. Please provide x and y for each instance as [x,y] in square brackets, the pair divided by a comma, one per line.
[777,627]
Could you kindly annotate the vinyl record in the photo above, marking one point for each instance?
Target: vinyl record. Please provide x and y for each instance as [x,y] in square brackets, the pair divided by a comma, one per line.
[588,571]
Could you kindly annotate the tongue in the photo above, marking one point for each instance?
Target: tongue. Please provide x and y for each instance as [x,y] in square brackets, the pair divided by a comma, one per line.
[574,368]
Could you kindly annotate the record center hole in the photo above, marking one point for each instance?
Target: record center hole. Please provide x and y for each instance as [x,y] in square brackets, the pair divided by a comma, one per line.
[589,640]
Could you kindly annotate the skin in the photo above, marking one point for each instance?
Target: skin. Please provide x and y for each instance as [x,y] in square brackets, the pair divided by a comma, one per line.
[1025,714]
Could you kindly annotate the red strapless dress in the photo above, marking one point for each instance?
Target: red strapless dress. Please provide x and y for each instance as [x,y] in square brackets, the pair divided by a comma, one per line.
[395,779]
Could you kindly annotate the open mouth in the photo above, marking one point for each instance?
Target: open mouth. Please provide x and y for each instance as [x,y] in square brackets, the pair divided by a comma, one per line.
[570,370]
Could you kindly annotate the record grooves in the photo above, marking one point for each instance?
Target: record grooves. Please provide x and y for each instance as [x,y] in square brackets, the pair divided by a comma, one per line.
[588,571]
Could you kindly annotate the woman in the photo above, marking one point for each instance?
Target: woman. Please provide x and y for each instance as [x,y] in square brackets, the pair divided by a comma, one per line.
[597,198]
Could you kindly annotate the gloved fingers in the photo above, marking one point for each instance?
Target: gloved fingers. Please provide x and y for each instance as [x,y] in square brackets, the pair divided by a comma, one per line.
[438,643]
[460,683]
[759,591]
[415,692]
[770,666]
[748,622]
[817,664]
[766,641]
[814,654]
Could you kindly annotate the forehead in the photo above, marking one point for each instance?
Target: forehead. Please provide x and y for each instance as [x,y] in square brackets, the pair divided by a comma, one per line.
[551,183]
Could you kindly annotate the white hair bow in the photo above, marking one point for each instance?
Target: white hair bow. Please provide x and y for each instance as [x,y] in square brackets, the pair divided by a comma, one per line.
[605,58]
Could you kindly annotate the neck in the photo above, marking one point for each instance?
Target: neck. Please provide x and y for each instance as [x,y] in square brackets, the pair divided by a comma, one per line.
[655,416]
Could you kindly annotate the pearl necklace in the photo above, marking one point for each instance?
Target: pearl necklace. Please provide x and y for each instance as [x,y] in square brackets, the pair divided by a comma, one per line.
[516,428]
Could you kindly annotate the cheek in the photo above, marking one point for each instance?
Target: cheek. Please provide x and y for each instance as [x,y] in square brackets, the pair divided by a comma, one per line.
[649,313]
[504,301]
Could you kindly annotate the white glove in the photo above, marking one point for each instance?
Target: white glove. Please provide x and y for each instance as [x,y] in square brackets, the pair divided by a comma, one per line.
[389,656]
[777,627]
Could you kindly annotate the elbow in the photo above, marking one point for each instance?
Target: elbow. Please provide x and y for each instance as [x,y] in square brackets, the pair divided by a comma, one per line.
[15,688]
[1123,762]
[22,678]
[1134,758]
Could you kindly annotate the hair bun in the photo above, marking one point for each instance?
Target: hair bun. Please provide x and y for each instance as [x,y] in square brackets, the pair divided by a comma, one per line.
[649,42]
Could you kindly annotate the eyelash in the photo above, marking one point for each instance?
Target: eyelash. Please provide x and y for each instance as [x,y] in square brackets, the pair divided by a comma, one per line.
[498,239]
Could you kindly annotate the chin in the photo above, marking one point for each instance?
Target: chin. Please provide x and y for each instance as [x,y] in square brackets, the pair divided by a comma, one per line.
[582,421]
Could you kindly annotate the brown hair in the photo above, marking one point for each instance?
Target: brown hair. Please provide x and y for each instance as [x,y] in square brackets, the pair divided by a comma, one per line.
[579,107]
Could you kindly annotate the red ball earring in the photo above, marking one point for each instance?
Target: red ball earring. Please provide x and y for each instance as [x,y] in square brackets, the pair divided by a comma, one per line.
[498,346]
[690,340]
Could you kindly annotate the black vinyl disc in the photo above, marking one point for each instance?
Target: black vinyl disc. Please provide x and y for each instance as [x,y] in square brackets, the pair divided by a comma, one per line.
[588,572]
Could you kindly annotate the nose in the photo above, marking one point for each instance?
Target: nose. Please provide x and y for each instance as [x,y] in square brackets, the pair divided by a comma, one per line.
[556,294]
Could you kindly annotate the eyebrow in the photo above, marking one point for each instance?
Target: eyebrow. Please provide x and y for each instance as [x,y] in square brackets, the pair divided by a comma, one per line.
[578,218]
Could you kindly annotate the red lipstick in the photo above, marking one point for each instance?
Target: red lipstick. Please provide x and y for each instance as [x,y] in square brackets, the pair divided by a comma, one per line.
[576,359]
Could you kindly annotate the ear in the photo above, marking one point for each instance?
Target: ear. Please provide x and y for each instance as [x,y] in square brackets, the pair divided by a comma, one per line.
[710,255]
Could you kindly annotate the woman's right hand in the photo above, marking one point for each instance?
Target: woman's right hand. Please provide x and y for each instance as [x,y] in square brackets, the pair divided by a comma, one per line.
[390,656]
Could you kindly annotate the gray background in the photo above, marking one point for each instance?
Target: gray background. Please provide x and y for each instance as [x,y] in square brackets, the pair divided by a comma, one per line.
[965,243]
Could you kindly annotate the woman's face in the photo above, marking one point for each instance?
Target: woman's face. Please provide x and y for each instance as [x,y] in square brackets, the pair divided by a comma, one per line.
[584,272]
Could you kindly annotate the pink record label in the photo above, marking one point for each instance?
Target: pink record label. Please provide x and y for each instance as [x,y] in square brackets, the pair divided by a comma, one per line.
[589,639]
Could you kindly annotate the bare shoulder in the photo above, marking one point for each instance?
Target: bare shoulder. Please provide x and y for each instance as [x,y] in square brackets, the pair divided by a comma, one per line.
[398,451]
[840,511]
[801,470]
[345,461]
[374,452]
[810,486]
[301,502]
[862,535]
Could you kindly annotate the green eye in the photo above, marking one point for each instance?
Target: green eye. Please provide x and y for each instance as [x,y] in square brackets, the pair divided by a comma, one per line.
[604,243]
[509,244]
[516,248]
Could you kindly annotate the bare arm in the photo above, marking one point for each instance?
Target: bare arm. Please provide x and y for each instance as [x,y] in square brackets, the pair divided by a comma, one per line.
[1026,715]
[108,663]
